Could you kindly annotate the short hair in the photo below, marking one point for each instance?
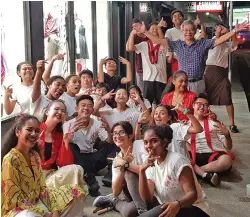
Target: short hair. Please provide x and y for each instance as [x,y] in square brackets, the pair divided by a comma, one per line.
[101,85]
[176,11]
[153,23]
[127,127]
[83,97]
[136,20]
[86,72]
[68,78]
[202,96]
[112,59]
[189,22]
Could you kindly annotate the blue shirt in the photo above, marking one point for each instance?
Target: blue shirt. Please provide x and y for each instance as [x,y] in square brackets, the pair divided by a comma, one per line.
[192,59]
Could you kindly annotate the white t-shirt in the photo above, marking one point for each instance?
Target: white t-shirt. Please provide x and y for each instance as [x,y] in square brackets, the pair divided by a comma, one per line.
[166,179]
[180,136]
[86,138]
[70,102]
[38,107]
[218,56]
[131,115]
[139,156]
[153,72]
[217,140]
[22,95]
[132,104]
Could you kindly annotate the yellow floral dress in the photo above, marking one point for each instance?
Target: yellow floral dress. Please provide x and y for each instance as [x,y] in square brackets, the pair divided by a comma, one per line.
[23,188]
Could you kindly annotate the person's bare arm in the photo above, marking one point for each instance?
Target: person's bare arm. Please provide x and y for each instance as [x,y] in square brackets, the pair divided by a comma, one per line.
[9,104]
[129,77]
[100,75]
[36,93]
[203,30]
[161,24]
[47,73]
[196,126]
[227,36]
[131,42]
[117,185]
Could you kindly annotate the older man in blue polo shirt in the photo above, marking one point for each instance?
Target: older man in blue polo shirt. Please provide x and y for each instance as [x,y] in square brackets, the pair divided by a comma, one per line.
[190,52]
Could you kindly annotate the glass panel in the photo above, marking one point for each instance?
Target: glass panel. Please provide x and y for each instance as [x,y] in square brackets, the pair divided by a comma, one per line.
[55,42]
[83,35]
[102,29]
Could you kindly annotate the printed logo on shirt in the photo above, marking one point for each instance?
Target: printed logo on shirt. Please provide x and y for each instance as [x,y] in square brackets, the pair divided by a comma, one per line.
[171,182]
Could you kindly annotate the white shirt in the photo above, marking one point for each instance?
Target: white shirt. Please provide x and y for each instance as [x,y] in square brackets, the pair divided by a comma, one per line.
[22,95]
[70,102]
[180,136]
[86,138]
[218,56]
[132,104]
[139,156]
[38,107]
[217,140]
[153,72]
[131,115]
[166,179]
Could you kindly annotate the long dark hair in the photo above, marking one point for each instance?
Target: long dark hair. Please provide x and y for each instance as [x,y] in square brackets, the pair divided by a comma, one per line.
[58,127]
[170,87]
[10,139]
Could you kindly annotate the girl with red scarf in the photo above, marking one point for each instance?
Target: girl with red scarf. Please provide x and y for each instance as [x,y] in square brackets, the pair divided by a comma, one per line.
[57,160]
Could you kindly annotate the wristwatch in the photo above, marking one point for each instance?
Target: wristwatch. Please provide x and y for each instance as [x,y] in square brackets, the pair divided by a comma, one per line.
[126,165]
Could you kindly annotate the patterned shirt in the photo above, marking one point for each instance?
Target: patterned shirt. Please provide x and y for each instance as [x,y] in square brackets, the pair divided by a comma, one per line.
[192,59]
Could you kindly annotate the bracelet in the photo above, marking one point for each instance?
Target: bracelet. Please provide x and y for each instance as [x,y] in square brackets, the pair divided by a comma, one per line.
[179,203]
[186,111]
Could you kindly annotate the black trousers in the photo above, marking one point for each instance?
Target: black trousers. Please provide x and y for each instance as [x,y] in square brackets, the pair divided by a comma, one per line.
[152,90]
[94,161]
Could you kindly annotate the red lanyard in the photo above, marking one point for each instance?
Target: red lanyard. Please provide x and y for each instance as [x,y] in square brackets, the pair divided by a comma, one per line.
[153,52]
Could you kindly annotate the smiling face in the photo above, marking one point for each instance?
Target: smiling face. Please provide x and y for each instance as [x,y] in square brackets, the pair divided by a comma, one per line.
[189,32]
[111,65]
[101,91]
[153,144]
[29,133]
[177,19]
[74,85]
[201,107]
[121,96]
[86,81]
[56,112]
[121,138]
[161,116]
[26,72]
[154,29]
[57,88]
[85,108]
[181,83]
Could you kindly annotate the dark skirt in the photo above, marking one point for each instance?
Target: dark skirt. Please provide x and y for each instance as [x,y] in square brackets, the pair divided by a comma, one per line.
[218,86]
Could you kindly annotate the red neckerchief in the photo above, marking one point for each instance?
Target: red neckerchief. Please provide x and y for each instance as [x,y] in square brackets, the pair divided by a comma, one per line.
[153,52]
[57,139]
[209,143]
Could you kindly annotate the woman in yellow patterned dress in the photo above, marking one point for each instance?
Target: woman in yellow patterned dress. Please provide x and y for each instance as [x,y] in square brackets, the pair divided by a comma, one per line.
[24,192]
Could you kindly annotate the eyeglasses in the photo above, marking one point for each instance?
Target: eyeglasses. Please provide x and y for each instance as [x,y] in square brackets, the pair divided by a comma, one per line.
[200,104]
[122,133]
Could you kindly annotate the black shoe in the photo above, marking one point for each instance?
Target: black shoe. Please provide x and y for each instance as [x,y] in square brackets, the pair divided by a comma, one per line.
[212,179]
[234,129]
[107,179]
[94,190]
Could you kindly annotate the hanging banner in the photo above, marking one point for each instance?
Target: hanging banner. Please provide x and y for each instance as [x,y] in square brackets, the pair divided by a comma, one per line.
[214,7]
[189,7]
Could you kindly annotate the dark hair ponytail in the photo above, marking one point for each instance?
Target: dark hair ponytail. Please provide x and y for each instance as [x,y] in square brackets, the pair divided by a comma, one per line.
[10,139]
[170,87]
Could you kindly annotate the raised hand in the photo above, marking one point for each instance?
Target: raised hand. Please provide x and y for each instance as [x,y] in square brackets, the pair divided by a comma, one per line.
[178,107]
[198,21]
[240,27]
[222,129]
[40,65]
[136,98]
[103,61]
[211,115]
[68,136]
[162,23]
[123,60]
[8,91]
[144,117]
[149,162]
[141,28]
[58,57]
[108,95]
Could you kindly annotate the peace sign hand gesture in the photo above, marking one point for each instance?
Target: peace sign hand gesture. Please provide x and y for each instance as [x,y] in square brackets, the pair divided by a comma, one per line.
[221,129]
[108,95]
[68,136]
[149,162]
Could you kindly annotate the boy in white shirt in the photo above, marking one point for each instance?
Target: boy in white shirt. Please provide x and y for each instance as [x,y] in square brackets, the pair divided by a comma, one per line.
[85,132]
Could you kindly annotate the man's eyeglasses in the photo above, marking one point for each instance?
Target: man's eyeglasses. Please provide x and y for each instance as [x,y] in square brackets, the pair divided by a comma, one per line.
[200,104]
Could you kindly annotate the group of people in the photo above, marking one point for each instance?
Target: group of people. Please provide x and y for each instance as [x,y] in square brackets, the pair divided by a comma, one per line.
[155,138]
